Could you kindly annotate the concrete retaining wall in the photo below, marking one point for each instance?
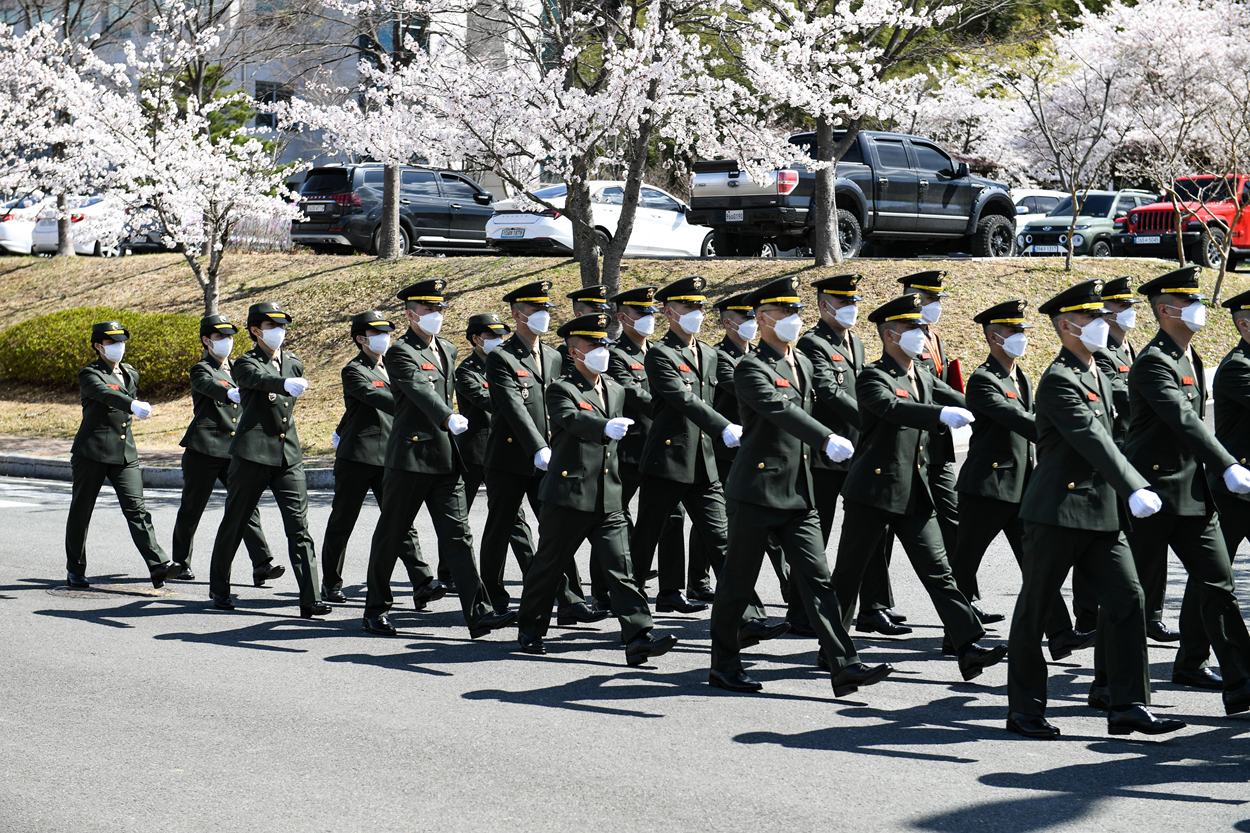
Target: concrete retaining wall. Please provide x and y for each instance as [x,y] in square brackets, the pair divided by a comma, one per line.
[154,477]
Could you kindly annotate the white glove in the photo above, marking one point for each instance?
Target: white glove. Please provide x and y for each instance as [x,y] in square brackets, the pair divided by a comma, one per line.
[617,428]
[732,435]
[234,396]
[956,417]
[142,410]
[457,424]
[542,458]
[838,448]
[1143,503]
[1237,479]
[296,385]
[335,439]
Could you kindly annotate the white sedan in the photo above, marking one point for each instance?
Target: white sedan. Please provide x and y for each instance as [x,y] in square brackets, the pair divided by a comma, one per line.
[93,220]
[660,227]
[17,222]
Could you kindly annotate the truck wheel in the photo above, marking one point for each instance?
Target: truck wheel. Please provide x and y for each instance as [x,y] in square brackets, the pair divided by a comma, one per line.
[995,237]
[850,235]
[1209,249]
[724,244]
[750,247]
[1101,248]
[405,244]
[601,242]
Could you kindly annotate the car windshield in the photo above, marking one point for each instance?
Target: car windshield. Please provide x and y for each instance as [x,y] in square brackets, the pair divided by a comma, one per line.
[1092,205]
[551,192]
[1205,189]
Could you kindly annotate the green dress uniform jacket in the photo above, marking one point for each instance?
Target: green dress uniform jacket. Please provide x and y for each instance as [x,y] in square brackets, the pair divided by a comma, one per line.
[584,473]
[215,418]
[266,433]
[1232,429]
[626,367]
[419,443]
[473,398]
[837,366]
[365,427]
[105,434]
[1000,453]
[725,400]
[519,426]
[686,426]
[943,445]
[1115,361]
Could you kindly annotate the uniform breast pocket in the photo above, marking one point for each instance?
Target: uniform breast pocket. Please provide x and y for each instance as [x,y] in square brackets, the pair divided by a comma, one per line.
[770,465]
[418,438]
[371,431]
[1003,464]
[572,473]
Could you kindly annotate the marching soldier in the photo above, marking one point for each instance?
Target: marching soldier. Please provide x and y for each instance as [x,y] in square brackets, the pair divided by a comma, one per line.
[586,301]
[1232,425]
[771,487]
[360,457]
[423,467]
[518,452]
[1072,522]
[837,355]
[581,496]
[266,454]
[1000,460]
[887,486]
[485,332]
[1169,444]
[104,449]
[215,400]
[1116,359]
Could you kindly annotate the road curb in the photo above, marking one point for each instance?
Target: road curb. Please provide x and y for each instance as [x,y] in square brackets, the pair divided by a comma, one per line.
[154,477]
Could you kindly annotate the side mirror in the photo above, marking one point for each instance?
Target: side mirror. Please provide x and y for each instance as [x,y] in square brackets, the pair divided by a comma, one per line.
[962,170]
[1020,209]
[484,198]
[682,208]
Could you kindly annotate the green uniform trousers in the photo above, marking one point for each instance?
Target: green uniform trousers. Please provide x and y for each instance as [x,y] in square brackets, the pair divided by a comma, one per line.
[352,483]
[875,593]
[1210,615]
[200,473]
[89,476]
[522,543]
[404,494]
[864,526]
[1234,522]
[247,481]
[705,504]
[798,532]
[1104,559]
[505,492]
[945,502]
[980,520]
[671,543]
[561,530]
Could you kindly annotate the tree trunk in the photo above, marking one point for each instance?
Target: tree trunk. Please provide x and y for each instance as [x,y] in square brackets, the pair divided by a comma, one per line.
[1180,244]
[629,210]
[64,228]
[826,247]
[577,206]
[1067,255]
[389,241]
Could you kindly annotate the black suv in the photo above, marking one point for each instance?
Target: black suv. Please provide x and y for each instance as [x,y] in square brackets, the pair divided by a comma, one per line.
[440,211]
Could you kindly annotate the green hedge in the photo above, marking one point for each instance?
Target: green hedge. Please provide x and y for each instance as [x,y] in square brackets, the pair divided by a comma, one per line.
[51,349]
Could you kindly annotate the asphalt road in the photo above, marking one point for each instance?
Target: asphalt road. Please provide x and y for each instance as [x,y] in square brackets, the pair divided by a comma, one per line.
[130,709]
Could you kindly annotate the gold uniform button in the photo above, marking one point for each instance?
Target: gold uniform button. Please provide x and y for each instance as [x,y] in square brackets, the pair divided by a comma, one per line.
[564,474]
[761,465]
[284,419]
[609,454]
[1071,485]
[414,439]
[877,471]
[804,456]
[123,436]
[236,407]
[993,465]
[282,436]
[509,439]
[670,442]
[1155,467]
[286,404]
[232,433]
[605,471]
[234,419]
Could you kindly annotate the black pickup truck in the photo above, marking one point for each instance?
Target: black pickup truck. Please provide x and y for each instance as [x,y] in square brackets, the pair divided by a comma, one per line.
[898,194]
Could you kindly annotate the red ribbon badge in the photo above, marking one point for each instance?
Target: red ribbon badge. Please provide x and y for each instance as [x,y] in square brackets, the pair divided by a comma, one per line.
[1124,368]
[635,366]
[683,368]
[426,366]
[783,383]
[835,357]
[901,392]
[115,387]
[378,383]
[585,406]
[1091,396]
[1187,380]
[1011,394]
[521,373]
[223,383]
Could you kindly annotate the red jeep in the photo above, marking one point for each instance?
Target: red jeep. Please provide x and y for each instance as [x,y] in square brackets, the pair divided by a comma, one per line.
[1150,231]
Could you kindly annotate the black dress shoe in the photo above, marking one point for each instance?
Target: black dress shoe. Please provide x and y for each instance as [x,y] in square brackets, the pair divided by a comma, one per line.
[1202,678]
[315,609]
[734,681]
[492,622]
[531,644]
[985,616]
[222,602]
[876,621]
[1031,726]
[895,617]
[948,650]
[977,658]
[1139,719]
[333,596]
[675,602]
[603,604]
[449,584]
[801,628]
[431,591]
[273,571]
[185,575]
[1099,698]
[1236,702]
[1160,632]
[580,613]
[643,648]
[757,630]
[701,594]
[162,573]
[1063,644]
[853,677]
[75,580]
[380,625]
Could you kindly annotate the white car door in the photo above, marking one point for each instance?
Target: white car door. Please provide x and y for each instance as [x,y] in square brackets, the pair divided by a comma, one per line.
[661,227]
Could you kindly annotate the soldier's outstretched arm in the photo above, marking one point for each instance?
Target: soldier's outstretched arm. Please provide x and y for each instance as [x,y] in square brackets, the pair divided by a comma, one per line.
[835,395]
[666,382]
[505,397]
[876,392]
[1156,384]
[1067,408]
[568,414]
[93,386]
[758,391]
[203,383]
[410,380]
[989,400]
[249,373]
[358,386]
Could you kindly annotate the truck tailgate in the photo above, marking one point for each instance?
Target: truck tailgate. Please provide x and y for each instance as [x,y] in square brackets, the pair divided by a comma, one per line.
[731,188]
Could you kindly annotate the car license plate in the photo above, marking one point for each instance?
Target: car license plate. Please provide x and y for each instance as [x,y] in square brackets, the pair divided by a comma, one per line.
[734,215]
[512,232]
[1154,238]
[315,208]
[1047,250]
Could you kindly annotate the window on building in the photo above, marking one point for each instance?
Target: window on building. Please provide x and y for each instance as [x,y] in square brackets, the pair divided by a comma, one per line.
[270,92]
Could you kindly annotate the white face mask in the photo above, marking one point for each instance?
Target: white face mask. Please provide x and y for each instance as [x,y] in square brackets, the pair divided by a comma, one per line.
[221,347]
[691,322]
[1015,345]
[114,352]
[379,344]
[1127,319]
[1094,334]
[597,360]
[273,338]
[539,322]
[912,342]
[789,328]
[930,313]
[490,344]
[847,316]
[748,329]
[1194,315]
[644,326]
[430,323]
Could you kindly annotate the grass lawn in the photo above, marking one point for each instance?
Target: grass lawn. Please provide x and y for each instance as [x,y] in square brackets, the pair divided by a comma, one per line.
[322,292]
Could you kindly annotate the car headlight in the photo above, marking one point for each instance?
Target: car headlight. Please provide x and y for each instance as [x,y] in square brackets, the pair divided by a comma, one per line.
[1082,226]
[1078,240]
[1020,241]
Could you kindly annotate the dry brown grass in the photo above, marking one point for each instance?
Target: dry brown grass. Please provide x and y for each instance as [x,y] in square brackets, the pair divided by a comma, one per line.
[322,292]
